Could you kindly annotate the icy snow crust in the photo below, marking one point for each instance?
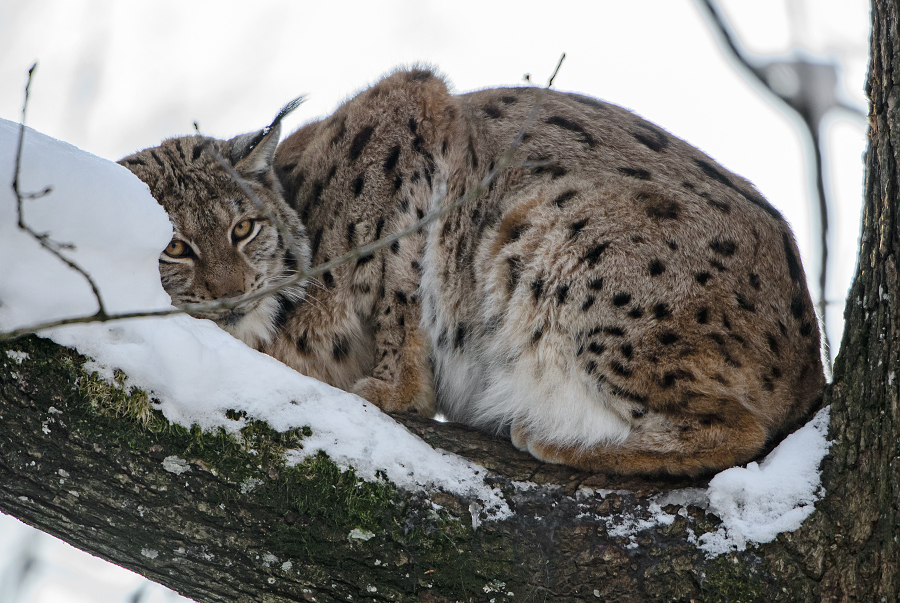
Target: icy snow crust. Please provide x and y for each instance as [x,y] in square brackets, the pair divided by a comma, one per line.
[198,371]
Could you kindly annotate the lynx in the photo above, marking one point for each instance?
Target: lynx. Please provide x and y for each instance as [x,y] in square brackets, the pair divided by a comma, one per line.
[613,300]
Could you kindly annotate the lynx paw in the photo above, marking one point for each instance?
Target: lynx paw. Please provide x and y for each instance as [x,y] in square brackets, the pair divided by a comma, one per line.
[522,440]
[388,397]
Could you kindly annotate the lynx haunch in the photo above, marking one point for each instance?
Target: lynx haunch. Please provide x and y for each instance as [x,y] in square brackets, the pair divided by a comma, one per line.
[615,300]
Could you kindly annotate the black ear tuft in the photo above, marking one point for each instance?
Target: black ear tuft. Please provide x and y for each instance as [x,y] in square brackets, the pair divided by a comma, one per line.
[287,110]
[253,153]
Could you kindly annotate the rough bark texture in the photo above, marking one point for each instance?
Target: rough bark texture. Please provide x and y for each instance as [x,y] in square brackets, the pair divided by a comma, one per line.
[233,524]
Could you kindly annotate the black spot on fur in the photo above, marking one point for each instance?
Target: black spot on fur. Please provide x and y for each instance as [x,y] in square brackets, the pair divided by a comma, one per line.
[722,206]
[570,125]
[379,226]
[793,263]
[493,112]
[537,289]
[773,344]
[754,198]
[656,267]
[669,378]
[718,265]
[596,348]
[576,228]
[536,336]
[672,245]
[395,246]
[638,173]
[703,315]
[627,395]
[620,299]
[635,312]
[390,161]
[358,184]
[806,329]
[587,303]
[596,284]
[317,190]
[587,100]
[316,242]
[473,157]
[398,182]
[561,293]
[563,197]
[460,337]
[360,141]
[157,159]
[668,337]
[401,297]
[725,322]
[419,213]
[651,138]
[508,100]
[593,254]
[340,348]
[627,350]
[620,369]
[302,345]
[711,171]
[744,303]
[554,169]
[328,279]
[661,311]
[614,331]
[797,306]
[196,152]
[723,247]
[351,233]
[754,281]
[590,367]
[514,265]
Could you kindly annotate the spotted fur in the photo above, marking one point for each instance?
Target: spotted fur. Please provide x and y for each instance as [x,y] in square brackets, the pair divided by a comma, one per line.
[615,301]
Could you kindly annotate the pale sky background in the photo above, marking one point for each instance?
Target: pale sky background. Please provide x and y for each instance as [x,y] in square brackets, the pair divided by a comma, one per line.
[114,77]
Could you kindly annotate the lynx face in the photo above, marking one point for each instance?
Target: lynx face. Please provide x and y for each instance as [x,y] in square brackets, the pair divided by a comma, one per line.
[225,244]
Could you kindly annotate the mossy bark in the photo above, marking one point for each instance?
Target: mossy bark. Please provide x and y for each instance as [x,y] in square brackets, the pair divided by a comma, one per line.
[224,520]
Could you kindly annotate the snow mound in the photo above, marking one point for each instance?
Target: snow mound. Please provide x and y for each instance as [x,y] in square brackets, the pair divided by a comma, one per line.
[196,370]
[759,501]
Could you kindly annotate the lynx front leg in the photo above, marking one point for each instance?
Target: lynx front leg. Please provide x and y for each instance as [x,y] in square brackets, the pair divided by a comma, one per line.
[401,378]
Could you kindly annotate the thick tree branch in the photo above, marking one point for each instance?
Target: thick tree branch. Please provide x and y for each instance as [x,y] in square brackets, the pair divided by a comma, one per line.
[216,522]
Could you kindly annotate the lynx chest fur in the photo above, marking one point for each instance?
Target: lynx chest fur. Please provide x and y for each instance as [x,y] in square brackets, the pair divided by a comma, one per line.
[612,299]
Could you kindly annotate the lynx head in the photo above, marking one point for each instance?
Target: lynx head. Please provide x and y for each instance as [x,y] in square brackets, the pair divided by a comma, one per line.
[231,225]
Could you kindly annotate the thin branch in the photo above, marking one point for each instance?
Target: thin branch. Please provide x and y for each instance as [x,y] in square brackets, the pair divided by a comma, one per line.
[505,161]
[555,71]
[44,238]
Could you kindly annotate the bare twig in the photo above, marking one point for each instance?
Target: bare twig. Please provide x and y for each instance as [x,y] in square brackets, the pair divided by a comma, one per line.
[555,71]
[44,239]
[504,162]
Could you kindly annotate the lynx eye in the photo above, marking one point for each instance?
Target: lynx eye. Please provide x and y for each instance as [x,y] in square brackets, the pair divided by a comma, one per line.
[242,230]
[178,249]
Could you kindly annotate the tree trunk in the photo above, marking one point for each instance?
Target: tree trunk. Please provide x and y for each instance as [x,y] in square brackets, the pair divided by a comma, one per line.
[222,521]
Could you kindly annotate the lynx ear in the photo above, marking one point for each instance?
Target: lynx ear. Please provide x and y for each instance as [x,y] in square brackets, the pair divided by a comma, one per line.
[253,154]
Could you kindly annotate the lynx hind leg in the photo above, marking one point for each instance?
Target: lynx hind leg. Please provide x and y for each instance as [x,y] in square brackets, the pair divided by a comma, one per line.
[658,446]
